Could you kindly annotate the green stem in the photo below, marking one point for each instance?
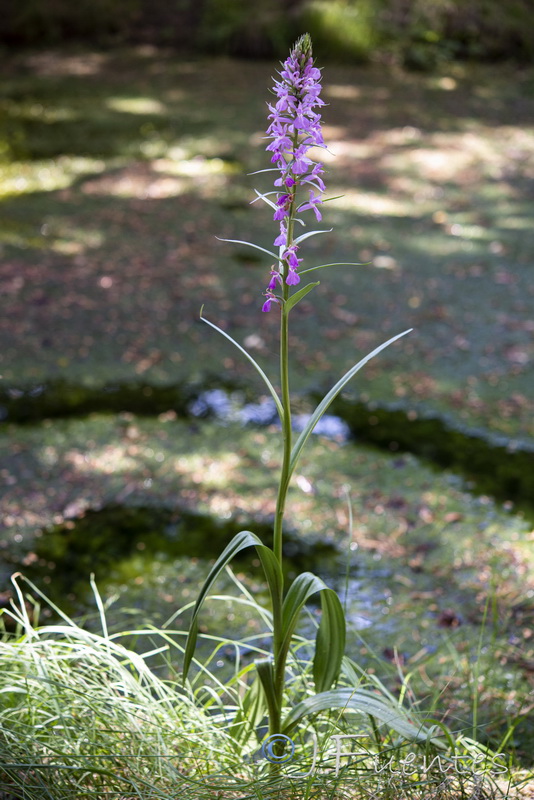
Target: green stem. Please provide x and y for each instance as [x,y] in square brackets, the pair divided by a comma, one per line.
[275,719]
[286,432]
[285,474]
[279,658]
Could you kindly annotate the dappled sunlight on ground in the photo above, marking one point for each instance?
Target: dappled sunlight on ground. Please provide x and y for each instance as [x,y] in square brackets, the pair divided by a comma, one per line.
[370,203]
[18,178]
[136,105]
[55,472]
[57,63]
[162,178]
[113,197]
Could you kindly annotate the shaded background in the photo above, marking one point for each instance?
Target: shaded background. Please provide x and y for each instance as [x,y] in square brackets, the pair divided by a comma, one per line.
[419,33]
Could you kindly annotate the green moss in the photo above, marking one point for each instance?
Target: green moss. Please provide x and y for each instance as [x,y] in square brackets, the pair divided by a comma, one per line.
[103,541]
[493,465]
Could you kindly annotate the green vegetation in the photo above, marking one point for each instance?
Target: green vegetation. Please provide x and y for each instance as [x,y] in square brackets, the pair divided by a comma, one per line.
[422,34]
[436,574]
[84,715]
[342,31]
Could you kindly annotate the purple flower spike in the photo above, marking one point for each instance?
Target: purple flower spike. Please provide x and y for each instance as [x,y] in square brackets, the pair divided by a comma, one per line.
[295,127]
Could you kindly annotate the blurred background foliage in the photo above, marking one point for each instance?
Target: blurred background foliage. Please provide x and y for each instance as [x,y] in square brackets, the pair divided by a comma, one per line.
[419,34]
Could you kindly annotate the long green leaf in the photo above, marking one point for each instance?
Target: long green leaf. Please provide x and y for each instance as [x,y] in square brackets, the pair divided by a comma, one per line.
[329,642]
[297,297]
[251,244]
[254,363]
[335,264]
[264,667]
[331,396]
[304,236]
[272,571]
[274,577]
[304,586]
[364,702]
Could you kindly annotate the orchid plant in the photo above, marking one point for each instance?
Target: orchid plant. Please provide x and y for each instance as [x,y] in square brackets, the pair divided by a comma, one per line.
[295,128]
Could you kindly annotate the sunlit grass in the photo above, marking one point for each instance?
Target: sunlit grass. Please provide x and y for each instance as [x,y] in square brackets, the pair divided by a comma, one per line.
[136,105]
[22,177]
[86,714]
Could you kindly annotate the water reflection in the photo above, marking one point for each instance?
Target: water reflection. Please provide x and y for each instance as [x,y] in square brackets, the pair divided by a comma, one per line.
[228,407]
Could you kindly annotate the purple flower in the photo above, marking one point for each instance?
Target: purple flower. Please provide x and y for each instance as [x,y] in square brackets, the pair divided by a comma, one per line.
[281,240]
[271,298]
[295,127]
[275,280]
[292,277]
[313,201]
[314,179]
[290,255]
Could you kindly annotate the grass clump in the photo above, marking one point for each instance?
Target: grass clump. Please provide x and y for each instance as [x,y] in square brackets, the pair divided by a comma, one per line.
[83,714]
[101,714]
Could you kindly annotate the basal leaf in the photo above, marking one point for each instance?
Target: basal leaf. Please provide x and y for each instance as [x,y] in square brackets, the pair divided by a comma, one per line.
[304,586]
[365,702]
[264,666]
[329,642]
[272,571]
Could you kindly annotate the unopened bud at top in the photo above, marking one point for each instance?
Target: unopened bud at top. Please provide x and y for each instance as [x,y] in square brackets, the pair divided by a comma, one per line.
[302,49]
